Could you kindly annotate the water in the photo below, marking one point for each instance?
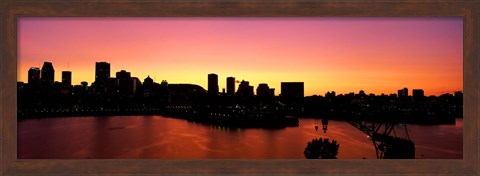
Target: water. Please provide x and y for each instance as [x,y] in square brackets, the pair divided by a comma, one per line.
[157,137]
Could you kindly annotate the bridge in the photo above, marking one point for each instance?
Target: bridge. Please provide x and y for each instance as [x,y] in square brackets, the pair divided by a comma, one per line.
[388,145]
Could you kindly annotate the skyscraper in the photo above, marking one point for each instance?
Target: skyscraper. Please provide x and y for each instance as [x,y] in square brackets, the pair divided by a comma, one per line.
[67,78]
[263,90]
[102,74]
[403,92]
[48,73]
[418,94]
[213,84]
[148,86]
[244,89]
[136,85]
[34,75]
[230,85]
[124,82]
[292,93]
[292,90]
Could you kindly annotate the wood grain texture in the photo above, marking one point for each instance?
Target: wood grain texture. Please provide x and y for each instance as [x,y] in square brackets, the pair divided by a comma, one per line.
[11,10]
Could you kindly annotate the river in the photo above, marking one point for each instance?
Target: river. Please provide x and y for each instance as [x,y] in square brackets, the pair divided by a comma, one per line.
[157,137]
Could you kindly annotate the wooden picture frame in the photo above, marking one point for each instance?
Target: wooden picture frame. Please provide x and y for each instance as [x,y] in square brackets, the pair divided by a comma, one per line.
[11,10]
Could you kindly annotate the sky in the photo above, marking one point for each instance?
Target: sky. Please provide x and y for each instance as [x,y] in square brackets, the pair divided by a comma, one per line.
[341,54]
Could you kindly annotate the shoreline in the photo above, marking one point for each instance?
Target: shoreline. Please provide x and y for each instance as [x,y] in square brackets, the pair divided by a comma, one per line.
[239,122]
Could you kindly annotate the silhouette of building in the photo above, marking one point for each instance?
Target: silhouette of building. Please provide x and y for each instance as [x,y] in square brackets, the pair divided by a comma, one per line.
[230,85]
[458,94]
[272,91]
[66,78]
[186,89]
[330,94]
[417,94]
[403,92]
[250,90]
[34,76]
[84,84]
[102,73]
[213,84]
[164,83]
[148,81]
[263,90]
[292,89]
[393,96]
[244,89]
[458,100]
[124,82]
[136,85]
[361,94]
[20,87]
[185,94]
[292,93]
[123,74]
[111,86]
[48,73]
[148,84]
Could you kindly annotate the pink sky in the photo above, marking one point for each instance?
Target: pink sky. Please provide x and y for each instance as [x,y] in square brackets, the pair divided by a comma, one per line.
[377,55]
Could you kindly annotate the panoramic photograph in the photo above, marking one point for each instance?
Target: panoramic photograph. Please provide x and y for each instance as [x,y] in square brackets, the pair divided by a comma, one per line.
[240,88]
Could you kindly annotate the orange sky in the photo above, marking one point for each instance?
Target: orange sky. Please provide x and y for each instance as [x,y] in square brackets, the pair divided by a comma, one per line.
[377,55]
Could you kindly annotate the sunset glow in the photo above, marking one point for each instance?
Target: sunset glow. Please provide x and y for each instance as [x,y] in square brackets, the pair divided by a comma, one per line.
[377,55]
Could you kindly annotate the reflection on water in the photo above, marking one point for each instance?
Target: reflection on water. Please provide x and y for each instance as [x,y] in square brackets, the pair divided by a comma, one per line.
[134,137]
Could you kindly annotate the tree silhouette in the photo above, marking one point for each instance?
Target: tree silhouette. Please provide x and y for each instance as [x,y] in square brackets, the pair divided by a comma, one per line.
[321,149]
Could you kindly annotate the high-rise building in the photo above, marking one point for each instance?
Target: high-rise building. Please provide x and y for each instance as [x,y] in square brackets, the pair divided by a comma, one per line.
[48,73]
[292,89]
[112,85]
[102,73]
[244,89]
[418,94]
[292,93]
[213,84]
[263,90]
[33,75]
[136,85]
[148,86]
[250,90]
[403,92]
[67,78]
[230,85]
[124,82]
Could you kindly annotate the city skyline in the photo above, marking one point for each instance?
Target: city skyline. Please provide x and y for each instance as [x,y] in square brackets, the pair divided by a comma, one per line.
[212,78]
[185,50]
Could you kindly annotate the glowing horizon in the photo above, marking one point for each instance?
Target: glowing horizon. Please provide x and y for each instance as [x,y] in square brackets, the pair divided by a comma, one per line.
[377,55]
